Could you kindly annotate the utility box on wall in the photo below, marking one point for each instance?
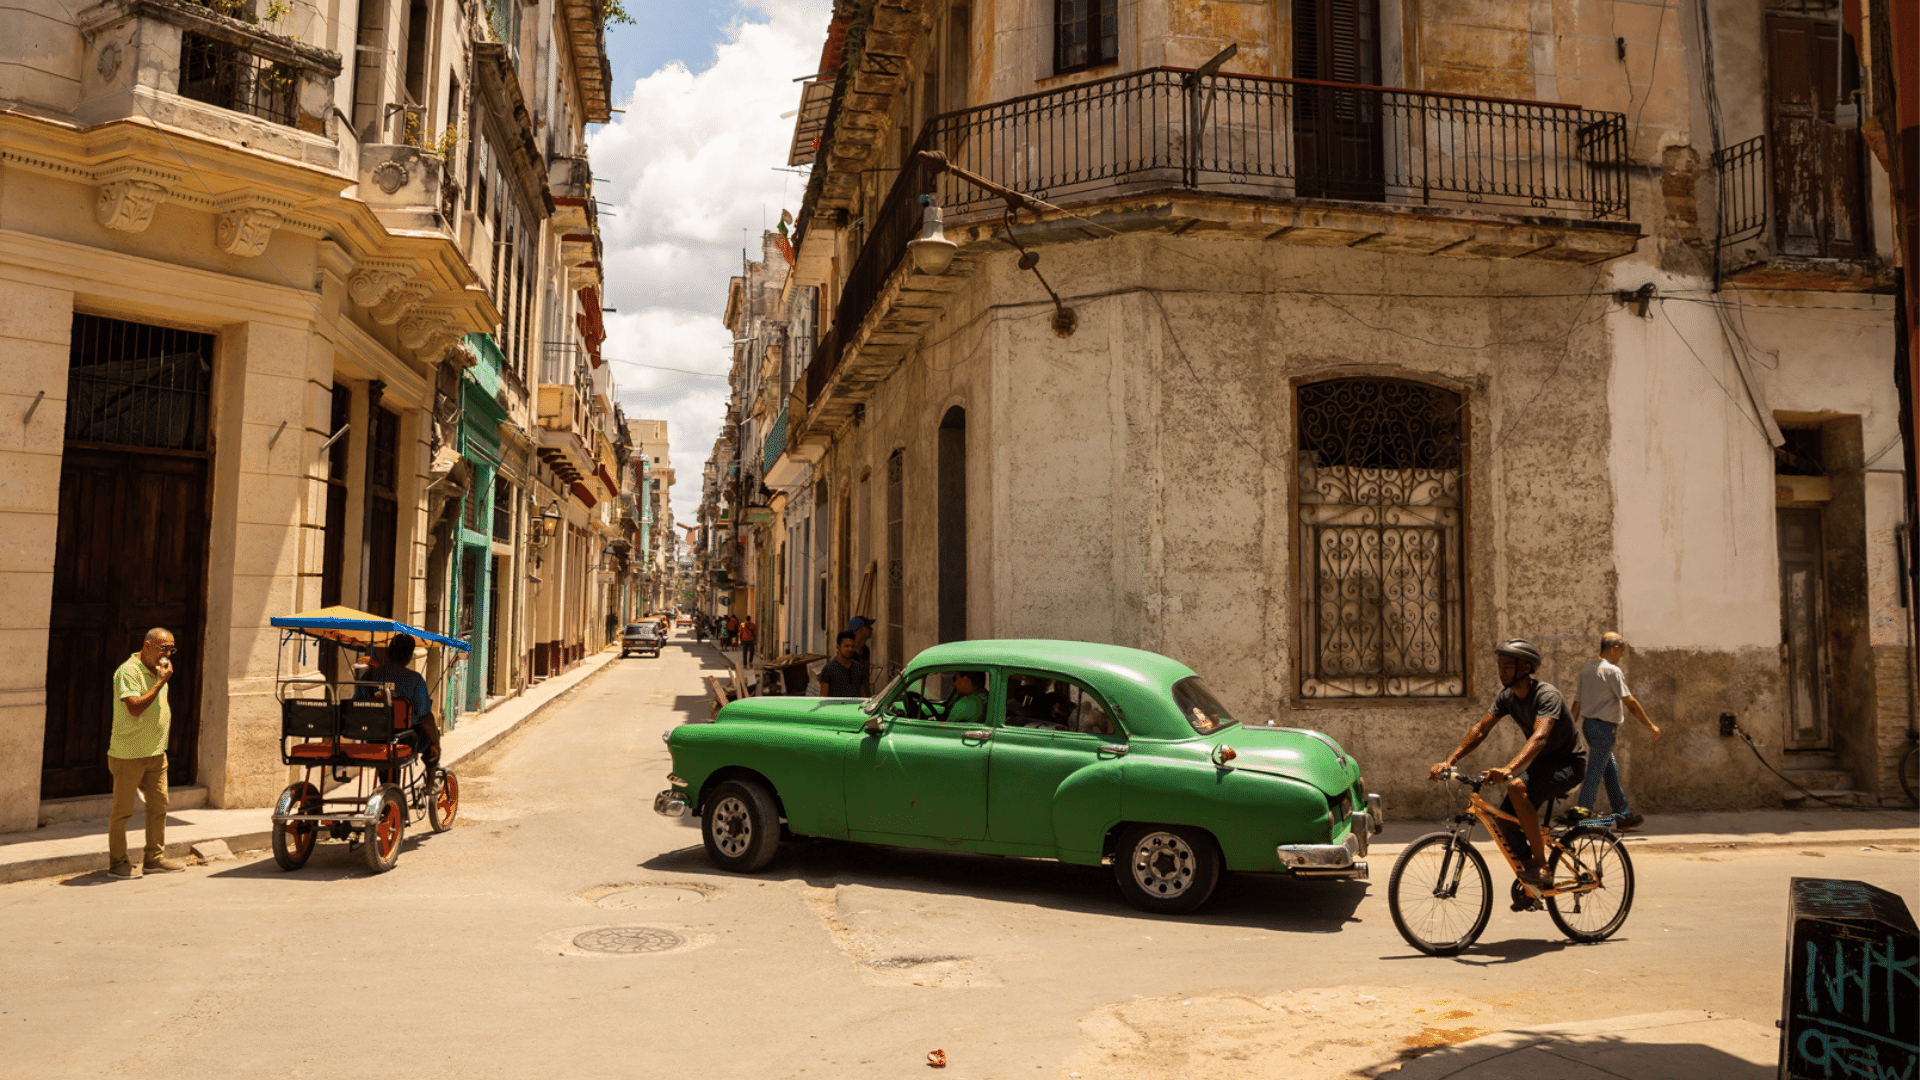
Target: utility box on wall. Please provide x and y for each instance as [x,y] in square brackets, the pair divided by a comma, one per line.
[1852,1002]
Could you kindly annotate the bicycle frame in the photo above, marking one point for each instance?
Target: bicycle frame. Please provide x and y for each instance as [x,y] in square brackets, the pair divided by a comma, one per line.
[1481,811]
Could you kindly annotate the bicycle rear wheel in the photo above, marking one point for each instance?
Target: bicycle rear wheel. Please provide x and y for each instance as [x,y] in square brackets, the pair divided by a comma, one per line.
[1591,855]
[1440,894]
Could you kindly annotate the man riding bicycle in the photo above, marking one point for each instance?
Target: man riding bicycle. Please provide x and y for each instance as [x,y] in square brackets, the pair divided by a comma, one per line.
[1551,764]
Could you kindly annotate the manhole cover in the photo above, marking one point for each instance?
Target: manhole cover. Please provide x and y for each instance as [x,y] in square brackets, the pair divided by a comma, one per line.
[628,939]
[651,896]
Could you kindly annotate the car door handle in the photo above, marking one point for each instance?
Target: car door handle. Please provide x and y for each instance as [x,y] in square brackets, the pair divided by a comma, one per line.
[1116,749]
[978,733]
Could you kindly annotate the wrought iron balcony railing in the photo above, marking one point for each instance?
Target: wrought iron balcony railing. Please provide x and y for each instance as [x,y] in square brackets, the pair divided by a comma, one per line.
[1742,173]
[1166,130]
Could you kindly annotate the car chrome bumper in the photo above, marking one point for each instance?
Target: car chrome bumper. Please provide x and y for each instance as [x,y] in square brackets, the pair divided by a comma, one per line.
[1345,859]
[671,804]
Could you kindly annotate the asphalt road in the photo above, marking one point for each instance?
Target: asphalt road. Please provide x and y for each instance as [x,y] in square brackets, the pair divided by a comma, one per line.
[839,960]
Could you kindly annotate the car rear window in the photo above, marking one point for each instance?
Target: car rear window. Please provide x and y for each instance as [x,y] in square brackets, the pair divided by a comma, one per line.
[1200,707]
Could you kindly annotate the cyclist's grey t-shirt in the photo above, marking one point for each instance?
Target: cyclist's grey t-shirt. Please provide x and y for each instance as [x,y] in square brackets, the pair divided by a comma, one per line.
[1602,690]
[1564,741]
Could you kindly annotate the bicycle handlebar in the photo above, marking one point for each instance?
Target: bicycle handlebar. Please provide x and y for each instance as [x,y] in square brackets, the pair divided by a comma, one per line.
[1458,777]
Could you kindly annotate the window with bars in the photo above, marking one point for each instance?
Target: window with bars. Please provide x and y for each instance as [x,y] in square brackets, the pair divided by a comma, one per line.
[1086,33]
[502,509]
[131,384]
[226,75]
[1381,487]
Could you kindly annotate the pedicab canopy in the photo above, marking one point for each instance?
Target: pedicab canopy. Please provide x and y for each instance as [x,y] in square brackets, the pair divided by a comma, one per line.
[359,630]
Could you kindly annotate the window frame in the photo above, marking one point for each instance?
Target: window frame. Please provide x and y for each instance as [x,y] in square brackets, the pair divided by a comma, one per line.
[1299,572]
[1119,733]
[1093,18]
[897,687]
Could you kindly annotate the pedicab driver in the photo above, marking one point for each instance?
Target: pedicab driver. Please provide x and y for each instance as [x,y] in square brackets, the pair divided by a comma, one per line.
[412,689]
[1553,761]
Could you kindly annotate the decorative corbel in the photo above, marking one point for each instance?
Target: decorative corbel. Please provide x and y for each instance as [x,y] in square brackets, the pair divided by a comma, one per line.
[370,282]
[244,231]
[400,300]
[127,205]
[423,327]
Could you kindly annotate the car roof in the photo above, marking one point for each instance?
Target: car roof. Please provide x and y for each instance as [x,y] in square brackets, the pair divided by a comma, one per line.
[1136,679]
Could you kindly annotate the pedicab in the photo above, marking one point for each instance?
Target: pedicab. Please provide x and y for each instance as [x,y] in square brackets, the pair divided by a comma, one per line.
[366,779]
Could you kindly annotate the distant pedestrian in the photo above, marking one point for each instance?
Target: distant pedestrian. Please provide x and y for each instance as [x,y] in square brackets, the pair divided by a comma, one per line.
[733,631]
[1601,696]
[845,675]
[862,629]
[137,754]
[747,634]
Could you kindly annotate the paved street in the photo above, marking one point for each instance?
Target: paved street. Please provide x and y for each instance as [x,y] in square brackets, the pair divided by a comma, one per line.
[837,961]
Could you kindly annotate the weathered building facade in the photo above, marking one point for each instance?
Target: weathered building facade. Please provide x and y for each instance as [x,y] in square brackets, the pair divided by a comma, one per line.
[270,278]
[1394,331]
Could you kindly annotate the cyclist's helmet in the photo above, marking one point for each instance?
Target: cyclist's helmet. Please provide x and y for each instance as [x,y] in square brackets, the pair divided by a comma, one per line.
[1520,649]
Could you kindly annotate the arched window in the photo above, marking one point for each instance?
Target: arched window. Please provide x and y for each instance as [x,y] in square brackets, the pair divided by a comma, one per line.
[1381,486]
[953,525]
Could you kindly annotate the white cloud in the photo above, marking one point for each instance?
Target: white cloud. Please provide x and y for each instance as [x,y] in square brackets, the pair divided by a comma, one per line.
[692,173]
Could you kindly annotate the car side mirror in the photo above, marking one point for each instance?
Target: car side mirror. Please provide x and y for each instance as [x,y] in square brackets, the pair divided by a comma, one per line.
[872,726]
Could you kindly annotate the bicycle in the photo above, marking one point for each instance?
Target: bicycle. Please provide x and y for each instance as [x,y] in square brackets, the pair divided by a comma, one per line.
[1441,910]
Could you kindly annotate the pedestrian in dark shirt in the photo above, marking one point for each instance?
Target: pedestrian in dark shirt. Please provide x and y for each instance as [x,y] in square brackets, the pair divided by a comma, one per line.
[846,674]
[862,629]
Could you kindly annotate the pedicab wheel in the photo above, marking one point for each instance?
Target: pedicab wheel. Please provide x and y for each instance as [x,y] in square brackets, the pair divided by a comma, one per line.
[1166,869]
[1591,857]
[444,805]
[381,845]
[1440,894]
[741,827]
[293,840]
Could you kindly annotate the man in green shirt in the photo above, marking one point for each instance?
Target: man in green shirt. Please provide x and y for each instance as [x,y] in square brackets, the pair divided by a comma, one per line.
[137,753]
[970,698]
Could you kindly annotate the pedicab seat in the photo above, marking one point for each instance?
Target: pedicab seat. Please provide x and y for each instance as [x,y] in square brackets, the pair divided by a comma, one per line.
[347,733]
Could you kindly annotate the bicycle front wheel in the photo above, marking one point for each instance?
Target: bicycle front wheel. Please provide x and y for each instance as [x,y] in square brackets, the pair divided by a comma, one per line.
[1440,894]
[1597,858]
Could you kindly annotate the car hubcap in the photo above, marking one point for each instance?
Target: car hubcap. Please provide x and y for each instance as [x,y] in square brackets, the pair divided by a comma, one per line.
[731,829]
[1163,864]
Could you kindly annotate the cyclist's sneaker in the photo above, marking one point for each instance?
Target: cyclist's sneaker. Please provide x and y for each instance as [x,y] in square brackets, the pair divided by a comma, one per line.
[1524,900]
[1575,815]
[1629,821]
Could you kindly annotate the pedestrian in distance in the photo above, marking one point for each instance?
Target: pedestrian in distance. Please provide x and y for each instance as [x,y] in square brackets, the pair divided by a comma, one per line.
[845,675]
[861,628]
[748,632]
[137,754]
[1548,766]
[1601,700]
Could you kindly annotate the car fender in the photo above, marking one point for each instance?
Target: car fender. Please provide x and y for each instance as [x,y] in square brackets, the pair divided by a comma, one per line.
[1248,813]
[801,762]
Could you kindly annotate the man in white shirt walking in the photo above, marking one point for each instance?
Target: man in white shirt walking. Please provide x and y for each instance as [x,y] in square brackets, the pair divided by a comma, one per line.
[1601,703]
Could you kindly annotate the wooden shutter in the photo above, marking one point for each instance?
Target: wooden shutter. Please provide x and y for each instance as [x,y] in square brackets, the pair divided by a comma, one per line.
[1817,181]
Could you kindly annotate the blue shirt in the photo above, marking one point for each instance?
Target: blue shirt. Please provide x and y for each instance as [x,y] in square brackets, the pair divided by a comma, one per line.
[406,682]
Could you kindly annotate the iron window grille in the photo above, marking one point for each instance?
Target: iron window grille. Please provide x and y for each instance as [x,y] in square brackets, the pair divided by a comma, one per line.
[1379,506]
[131,384]
[227,75]
[1741,170]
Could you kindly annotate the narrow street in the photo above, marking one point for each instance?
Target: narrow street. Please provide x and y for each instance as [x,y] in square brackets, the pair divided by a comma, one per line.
[838,961]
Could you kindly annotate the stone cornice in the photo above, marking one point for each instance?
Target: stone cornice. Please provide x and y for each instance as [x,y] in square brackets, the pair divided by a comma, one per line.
[500,86]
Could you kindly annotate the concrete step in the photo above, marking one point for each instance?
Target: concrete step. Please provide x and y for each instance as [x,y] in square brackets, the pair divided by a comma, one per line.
[1809,759]
[100,807]
[1820,779]
[1838,796]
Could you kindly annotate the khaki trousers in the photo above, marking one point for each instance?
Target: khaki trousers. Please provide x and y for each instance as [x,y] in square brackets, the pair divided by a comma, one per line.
[148,776]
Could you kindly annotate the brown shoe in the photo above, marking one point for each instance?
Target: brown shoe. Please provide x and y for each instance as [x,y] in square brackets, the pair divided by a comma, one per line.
[163,865]
[123,870]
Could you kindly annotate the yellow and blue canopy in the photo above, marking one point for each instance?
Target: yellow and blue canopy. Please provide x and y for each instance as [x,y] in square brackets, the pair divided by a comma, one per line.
[359,630]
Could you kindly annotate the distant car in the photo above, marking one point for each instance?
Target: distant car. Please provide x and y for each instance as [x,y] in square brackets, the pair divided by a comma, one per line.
[1073,751]
[642,639]
[683,619]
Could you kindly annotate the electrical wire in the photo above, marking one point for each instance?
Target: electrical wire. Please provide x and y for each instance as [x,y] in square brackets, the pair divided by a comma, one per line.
[1748,739]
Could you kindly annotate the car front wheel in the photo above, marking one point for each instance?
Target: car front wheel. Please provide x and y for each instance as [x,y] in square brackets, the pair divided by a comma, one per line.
[1166,869]
[741,826]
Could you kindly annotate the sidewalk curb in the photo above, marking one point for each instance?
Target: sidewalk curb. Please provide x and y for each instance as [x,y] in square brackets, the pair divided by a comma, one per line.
[255,839]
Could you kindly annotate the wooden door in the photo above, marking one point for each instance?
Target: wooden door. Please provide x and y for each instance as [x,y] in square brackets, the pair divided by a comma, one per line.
[1803,628]
[1818,175]
[130,554]
[1336,133]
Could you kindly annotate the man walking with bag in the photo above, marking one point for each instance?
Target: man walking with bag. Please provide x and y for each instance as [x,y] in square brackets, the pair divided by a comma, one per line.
[137,754]
[1599,702]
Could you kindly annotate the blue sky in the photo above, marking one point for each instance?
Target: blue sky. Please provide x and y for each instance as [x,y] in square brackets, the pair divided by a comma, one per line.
[693,170]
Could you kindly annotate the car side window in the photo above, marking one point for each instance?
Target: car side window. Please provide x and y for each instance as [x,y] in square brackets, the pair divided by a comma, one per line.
[957,696]
[1043,701]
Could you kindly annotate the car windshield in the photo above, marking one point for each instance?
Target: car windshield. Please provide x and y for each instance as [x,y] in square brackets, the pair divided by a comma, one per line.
[633,628]
[873,702]
[1200,707]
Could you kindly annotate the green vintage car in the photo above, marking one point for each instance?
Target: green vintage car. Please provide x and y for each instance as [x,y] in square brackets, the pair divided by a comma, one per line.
[1054,749]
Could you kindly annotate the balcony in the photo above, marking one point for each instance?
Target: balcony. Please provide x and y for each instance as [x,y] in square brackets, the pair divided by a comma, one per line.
[232,78]
[1287,160]
[1798,224]
[403,184]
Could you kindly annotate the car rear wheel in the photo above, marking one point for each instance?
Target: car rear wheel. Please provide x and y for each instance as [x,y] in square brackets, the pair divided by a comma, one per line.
[741,826]
[1166,869]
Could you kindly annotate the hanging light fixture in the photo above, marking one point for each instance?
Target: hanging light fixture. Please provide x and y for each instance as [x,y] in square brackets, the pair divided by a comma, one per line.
[932,251]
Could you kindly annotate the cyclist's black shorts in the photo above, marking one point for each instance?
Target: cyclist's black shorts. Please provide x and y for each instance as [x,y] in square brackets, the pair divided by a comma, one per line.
[1549,778]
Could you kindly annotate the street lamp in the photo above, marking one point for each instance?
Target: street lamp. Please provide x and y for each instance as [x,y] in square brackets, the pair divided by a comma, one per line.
[933,252]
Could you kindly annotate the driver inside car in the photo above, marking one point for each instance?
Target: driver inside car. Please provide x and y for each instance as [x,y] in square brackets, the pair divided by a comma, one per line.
[969,705]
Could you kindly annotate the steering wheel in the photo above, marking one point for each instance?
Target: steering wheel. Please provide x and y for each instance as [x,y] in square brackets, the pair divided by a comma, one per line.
[919,706]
